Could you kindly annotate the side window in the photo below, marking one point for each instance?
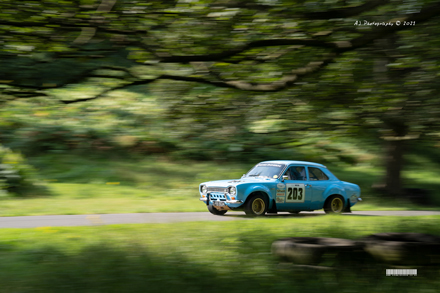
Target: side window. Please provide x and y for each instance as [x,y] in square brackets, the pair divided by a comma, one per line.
[296,173]
[316,174]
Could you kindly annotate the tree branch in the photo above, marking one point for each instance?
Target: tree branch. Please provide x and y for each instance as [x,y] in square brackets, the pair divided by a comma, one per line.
[255,44]
[346,12]
[88,33]
[71,25]
[240,85]
[337,47]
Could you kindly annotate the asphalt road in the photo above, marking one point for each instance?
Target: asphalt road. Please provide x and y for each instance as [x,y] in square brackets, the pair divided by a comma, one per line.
[107,219]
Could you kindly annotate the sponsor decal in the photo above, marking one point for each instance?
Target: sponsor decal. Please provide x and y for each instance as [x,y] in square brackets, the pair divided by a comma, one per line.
[280,199]
[295,193]
[281,186]
[281,192]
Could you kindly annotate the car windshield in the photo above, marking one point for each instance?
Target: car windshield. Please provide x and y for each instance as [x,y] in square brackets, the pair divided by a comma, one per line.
[270,170]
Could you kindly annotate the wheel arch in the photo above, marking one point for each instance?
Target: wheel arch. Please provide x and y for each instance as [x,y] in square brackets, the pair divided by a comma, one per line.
[259,192]
[333,195]
[334,189]
[259,189]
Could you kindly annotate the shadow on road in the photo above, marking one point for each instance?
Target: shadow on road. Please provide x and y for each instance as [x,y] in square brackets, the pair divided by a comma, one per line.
[284,215]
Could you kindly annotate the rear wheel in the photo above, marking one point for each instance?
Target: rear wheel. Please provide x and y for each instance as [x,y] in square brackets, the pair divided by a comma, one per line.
[256,206]
[215,211]
[334,205]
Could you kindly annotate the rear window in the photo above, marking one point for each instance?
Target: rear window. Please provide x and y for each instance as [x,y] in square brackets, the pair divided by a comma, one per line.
[317,174]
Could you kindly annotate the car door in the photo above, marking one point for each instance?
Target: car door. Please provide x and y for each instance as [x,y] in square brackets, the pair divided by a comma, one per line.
[318,182]
[294,194]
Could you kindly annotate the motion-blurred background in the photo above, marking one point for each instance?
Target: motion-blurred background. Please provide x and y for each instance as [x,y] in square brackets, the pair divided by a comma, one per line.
[350,83]
[112,106]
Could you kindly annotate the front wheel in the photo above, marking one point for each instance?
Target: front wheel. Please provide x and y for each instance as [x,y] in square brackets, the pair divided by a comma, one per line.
[215,211]
[334,205]
[256,206]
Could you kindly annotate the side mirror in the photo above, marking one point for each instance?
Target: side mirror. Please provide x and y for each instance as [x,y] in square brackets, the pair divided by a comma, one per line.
[285,177]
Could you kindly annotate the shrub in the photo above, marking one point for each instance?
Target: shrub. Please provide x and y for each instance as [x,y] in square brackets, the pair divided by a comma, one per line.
[17,178]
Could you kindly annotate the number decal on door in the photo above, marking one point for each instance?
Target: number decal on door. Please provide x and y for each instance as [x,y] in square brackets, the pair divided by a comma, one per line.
[295,193]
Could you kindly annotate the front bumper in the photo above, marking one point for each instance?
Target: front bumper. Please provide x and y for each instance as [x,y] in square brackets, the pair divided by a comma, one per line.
[220,201]
[227,201]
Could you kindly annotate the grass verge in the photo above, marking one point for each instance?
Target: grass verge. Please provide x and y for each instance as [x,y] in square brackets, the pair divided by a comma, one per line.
[194,257]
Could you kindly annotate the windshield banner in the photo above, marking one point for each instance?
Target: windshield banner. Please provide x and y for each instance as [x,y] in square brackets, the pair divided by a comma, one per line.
[270,165]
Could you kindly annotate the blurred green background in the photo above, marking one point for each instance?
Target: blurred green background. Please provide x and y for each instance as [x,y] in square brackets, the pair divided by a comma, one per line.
[158,95]
[114,106]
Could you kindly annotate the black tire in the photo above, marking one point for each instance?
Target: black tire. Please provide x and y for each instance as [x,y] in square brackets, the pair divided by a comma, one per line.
[215,211]
[334,205]
[257,205]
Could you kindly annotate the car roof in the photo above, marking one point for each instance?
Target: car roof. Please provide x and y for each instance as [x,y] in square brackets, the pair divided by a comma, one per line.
[288,162]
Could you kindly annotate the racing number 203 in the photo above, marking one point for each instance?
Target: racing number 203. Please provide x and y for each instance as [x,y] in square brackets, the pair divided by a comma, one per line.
[295,192]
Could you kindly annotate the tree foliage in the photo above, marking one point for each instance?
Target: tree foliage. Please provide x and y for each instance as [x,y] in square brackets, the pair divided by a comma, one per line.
[259,46]
[346,68]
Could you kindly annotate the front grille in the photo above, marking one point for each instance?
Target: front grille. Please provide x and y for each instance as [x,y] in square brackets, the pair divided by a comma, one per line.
[218,197]
[217,189]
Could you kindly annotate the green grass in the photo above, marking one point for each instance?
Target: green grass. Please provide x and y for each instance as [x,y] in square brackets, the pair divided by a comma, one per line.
[100,185]
[194,257]
[78,185]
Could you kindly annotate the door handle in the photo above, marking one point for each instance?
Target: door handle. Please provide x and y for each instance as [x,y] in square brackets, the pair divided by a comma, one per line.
[308,185]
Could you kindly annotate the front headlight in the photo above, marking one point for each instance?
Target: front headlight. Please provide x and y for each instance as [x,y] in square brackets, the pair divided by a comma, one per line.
[232,190]
[203,189]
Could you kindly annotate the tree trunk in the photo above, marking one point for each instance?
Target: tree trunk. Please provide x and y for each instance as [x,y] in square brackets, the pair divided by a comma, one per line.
[393,165]
[394,120]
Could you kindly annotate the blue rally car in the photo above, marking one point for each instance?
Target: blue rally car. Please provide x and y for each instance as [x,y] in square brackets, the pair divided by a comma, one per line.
[288,186]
